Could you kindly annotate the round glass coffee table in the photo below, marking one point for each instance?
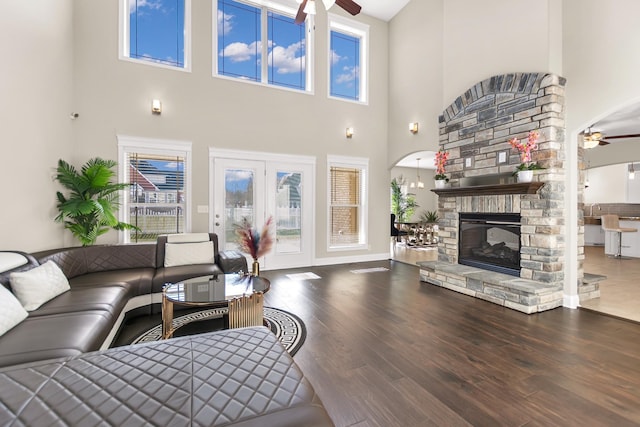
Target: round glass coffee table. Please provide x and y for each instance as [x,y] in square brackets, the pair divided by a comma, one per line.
[241,293]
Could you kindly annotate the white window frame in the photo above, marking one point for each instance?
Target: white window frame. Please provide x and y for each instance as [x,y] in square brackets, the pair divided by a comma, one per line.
[280,8]
[362,164]
[124,32]
[355,29]
[132,144]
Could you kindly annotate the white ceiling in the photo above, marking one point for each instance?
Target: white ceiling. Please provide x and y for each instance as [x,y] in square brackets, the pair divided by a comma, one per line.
[427,159]
[625,121]
[382,9]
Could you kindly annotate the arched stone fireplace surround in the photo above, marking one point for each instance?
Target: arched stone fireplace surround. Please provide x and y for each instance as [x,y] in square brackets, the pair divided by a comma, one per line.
[475,129]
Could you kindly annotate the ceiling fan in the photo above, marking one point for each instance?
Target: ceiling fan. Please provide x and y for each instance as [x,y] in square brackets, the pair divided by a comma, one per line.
[593,139]
[308,7]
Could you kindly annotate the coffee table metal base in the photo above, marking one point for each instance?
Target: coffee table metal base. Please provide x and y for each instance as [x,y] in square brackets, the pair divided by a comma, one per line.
[244,311]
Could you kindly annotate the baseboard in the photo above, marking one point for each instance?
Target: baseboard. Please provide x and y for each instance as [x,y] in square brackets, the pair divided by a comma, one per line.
[571,301]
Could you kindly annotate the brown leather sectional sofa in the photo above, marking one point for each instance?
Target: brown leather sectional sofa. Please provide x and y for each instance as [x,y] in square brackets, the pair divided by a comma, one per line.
[50,373]
[107,282]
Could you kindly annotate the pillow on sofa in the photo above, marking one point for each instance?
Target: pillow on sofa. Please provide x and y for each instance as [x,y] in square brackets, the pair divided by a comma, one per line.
[187,238]
[188,253]
[38,285]
[11,311]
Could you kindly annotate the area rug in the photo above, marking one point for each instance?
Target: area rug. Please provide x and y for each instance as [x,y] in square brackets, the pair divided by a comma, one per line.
[288,327]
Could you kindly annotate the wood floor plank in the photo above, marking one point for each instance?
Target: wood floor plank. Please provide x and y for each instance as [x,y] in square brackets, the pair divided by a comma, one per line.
[384,349]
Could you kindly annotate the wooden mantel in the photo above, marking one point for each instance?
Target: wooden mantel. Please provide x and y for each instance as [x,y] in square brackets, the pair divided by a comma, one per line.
[489,190]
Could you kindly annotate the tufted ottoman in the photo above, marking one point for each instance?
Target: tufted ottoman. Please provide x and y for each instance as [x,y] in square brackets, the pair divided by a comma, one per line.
[238,377]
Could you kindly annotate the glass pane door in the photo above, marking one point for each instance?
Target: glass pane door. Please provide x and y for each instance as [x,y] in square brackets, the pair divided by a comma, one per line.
[239,193]
[259,189]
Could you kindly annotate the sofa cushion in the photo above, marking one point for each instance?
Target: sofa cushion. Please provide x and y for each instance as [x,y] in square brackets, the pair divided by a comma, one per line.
[163,240]
[31,262]
[11,311]
[38,285]
[58,335]
[137,280]
[11,260]
[111,299]
[166,275]
[188,253]
[188,237]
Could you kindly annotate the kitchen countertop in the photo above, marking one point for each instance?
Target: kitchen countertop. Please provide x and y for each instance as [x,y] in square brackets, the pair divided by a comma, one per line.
[595,220]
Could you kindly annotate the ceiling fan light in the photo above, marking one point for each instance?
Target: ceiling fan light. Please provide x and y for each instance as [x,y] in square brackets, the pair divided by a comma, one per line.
[328,3]
[310,8]
[590,143]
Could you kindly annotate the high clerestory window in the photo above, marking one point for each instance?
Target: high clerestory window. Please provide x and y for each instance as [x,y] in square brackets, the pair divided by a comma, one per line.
[156,32]
[248,32]
[348,53]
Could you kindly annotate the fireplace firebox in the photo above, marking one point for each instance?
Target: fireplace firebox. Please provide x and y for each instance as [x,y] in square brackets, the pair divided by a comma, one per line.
[490,241]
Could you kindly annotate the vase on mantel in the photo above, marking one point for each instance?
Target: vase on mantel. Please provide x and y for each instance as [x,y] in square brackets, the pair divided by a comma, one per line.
[255,268]
[440,183]
[525,176]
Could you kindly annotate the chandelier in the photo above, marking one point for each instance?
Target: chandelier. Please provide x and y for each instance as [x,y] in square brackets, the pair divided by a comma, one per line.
[418,184]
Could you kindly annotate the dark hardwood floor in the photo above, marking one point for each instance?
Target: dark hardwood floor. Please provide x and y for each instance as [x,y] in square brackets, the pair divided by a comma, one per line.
[384,349]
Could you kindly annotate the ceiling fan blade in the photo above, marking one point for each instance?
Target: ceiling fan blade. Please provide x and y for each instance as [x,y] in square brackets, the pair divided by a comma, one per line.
[633,135]
[301,16]
[350,6]
[603,142]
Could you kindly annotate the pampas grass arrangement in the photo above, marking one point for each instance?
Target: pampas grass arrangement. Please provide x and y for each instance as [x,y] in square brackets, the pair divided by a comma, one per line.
[254,243]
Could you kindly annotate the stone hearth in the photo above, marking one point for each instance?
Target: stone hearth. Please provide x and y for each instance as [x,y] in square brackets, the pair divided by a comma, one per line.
[475,130]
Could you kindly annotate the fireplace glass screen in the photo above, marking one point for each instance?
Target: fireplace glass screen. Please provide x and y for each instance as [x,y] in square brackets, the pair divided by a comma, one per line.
[490,242]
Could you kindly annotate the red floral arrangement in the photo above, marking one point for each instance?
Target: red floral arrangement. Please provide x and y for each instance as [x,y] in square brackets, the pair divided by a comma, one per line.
[440,161]
[525,149]
[250,241]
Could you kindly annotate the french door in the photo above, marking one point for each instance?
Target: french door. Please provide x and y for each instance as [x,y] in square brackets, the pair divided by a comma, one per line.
[257,186]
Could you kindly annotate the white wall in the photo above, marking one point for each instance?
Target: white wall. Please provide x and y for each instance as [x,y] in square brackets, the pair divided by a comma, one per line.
[607,184]
[415,83]
[35,103]
[493,37]
[113,97]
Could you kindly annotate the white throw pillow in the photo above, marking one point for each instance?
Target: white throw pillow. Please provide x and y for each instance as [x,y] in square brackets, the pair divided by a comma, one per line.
[188,253]
[11,311]
[187,238]
[39,285]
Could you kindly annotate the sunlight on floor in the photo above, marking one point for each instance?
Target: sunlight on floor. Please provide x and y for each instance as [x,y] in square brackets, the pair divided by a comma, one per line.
[620,291]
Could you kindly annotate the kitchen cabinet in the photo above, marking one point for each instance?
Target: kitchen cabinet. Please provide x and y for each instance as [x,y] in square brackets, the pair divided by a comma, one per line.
[593,235]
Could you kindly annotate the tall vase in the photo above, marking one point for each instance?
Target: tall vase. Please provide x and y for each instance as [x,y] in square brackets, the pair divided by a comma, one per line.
[525,176]
[255,268]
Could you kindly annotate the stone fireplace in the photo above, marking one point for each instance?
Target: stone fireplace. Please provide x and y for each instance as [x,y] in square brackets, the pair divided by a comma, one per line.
[476,130]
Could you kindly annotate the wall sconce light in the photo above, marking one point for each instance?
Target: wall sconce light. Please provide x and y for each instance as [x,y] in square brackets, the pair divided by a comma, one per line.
[413,127]
[156,106]
[632,171]
[349,133]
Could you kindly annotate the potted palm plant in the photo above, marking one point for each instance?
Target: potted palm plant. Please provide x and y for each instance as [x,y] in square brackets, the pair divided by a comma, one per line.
[402,204]
[89,208]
